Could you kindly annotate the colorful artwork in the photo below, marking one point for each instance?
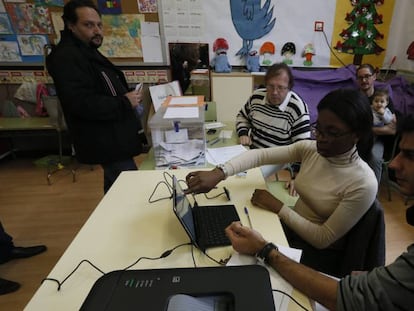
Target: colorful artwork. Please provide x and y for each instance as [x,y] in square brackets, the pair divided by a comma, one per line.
[9,52]
[58,24]
[28,18]
[31,45]
[147,6]
[122,36]
[5,26]
[110,6]
[252,21]
[56,3]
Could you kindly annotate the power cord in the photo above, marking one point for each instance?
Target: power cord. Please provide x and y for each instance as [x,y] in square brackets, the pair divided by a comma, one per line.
[293,299]
[163,255]
[168,182]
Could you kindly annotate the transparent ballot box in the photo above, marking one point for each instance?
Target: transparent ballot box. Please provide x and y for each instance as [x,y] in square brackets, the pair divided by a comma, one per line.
[178,137]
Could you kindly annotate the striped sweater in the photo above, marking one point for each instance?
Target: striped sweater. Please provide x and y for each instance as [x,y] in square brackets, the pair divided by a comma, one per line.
[270,125]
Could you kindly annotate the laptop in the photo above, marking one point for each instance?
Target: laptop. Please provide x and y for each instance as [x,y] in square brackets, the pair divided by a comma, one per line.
[204,224]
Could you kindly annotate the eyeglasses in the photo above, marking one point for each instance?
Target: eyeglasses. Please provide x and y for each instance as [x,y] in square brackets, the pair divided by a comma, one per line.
[364,77]
[327,134]
[278,88]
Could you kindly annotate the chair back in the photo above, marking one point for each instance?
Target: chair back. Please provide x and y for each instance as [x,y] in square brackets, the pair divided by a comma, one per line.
[365,242]
[54,109]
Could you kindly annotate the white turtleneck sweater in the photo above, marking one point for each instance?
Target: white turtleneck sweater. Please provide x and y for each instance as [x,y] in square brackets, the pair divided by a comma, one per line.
[334,193]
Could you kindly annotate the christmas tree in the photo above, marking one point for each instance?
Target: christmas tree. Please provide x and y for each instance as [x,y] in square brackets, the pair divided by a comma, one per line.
[360,37]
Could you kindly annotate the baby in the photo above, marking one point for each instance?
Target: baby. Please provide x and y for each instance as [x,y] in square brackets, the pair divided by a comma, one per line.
[381,114]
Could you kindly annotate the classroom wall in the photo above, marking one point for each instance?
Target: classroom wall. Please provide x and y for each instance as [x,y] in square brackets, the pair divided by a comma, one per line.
[205,21]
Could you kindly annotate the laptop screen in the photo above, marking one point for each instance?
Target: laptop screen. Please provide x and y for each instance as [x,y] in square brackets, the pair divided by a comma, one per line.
[183,210]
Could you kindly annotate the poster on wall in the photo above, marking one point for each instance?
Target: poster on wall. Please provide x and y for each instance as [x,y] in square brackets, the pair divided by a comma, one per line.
[31,45]
[122,36]
[5,26]
[300,33]
[9,50]
[110,7]
[28,18]
[147,6]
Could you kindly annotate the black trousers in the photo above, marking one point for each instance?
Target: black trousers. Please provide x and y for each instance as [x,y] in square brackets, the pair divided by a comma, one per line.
[327,260]
[6,244]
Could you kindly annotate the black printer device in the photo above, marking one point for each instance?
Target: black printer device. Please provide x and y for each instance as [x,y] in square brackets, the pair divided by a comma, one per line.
[233,287]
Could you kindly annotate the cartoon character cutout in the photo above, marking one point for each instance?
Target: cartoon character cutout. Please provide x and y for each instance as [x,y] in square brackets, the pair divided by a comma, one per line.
[253,61]
[267,50]
[220,62]
[308,52]
[288,50]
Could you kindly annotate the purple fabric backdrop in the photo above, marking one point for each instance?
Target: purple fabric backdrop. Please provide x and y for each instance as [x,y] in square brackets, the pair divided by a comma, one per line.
[312,85]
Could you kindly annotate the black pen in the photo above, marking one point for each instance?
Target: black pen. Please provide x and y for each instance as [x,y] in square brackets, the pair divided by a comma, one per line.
[246,211]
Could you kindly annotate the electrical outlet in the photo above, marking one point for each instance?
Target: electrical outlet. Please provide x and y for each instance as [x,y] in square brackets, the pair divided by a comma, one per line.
[318,26]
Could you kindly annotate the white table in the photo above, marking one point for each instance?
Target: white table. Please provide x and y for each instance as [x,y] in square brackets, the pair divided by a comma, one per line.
[124,227]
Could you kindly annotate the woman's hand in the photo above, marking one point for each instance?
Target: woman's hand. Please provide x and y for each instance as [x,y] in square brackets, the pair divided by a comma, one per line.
[290,185]
[203,181]
[245,240]
[264,199]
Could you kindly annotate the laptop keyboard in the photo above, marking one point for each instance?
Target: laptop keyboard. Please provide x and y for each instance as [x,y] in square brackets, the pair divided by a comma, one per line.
[211,222]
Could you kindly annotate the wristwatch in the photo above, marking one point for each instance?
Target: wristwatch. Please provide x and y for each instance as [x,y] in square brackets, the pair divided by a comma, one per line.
[223,169]
[263,255]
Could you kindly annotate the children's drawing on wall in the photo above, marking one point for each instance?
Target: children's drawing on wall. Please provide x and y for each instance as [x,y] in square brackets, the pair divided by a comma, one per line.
[122,35]
[9,52]
[5,26]
[308,52]
[56,3]
[267,50]
[110,7]
[251,21]
[31,44]
[288,50]
[361,37]
[220,62]
[57,24]
[253,61]
[28,18]
[147,6]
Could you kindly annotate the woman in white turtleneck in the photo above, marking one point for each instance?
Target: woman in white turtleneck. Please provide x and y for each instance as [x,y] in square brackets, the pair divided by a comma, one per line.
[335,184]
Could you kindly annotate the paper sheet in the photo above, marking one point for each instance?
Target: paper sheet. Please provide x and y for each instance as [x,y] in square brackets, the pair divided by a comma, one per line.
[181,112]
[221,155]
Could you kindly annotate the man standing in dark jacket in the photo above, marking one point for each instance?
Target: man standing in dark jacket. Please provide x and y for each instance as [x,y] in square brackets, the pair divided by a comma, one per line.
[99,109]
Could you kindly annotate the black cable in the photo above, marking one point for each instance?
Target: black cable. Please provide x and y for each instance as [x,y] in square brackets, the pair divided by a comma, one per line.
[70,274]
[163,255]
[334,54]
[293,299]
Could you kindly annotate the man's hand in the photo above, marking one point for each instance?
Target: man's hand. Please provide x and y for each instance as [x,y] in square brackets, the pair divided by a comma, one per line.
[134,97]
[264,199]
[203,181]
[245,240]
[245,140]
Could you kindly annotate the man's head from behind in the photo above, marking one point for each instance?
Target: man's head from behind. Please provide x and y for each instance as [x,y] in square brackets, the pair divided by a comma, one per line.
[83,19]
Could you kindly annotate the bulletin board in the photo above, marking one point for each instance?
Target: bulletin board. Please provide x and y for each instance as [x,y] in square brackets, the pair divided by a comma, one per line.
[26,26]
